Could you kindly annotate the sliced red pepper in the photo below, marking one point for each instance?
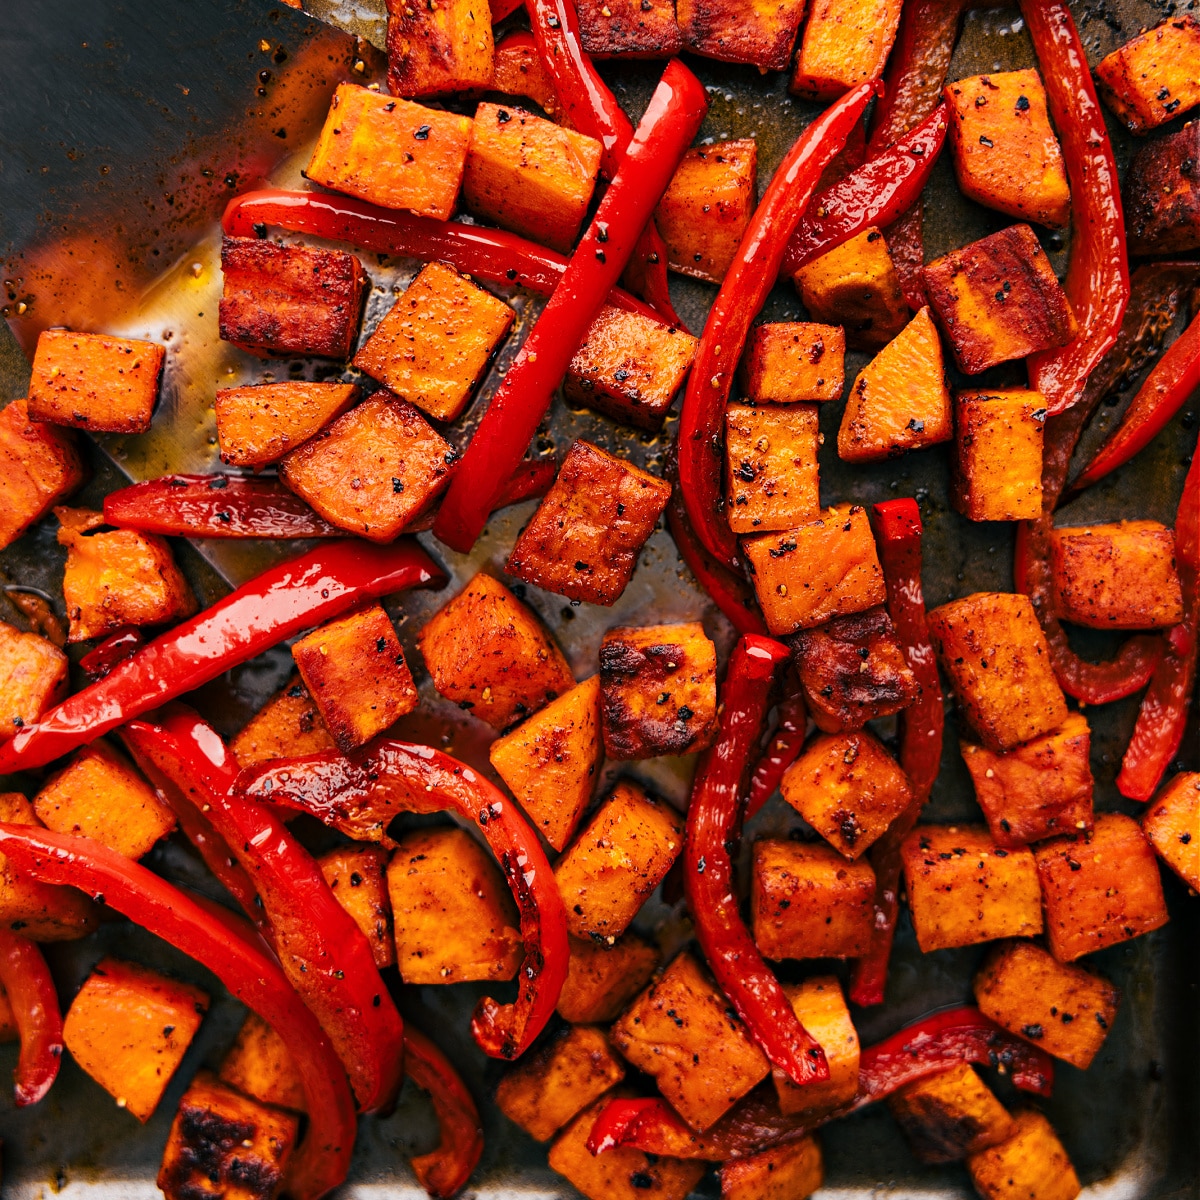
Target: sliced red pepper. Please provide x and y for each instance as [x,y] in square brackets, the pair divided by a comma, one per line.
[30,990]
[323,1157]
[674,115]
[504,8]
[115,648]
[280,602]
[751,276]
[783,747]
[360,796]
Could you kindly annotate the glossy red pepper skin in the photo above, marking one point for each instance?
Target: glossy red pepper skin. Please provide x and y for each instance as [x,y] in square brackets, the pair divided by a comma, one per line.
[359,796]
[282,601]
[322,1159]
[750,277]
[115,648]
[30,989]
[504,8]
[671,121]
[783,747]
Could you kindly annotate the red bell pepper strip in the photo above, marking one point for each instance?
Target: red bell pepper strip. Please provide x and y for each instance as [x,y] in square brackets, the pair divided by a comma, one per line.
[783,747]
[674,115]
[30,990]
[751,276]
[713,826]
[443,1171]
[282,601]
[323,1157]
[115,648]
[504,8]
[360,795]
[1097,283]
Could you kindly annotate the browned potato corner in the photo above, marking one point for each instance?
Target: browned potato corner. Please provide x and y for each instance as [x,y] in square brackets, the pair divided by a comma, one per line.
[259,1065]
[760,34]
[629,28]
[258,425]
[821,1008]
[603,978]
[440,48]
[1153,78]
[1162,194]
[33,678]
[789,362]
[792,1171]
[996,473]
[950,1115]
[771,466]
[357,876]
[1030,1163]
[1171,824]
[845,43]
[39,466]
[289,725]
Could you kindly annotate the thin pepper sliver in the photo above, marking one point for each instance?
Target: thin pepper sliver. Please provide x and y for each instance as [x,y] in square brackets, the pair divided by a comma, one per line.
[783,747]
[30,989]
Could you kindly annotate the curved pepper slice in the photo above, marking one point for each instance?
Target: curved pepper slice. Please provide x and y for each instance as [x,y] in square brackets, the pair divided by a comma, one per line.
[115,648]
[783,748]
[30,990]
[323,1157]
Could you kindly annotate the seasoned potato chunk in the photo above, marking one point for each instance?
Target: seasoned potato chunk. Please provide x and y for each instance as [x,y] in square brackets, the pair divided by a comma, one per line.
[807,901]
[1162,194]
[845,43]
[822,1010]
[789,1172]
[259,1064]
[1172,826]
[39,466]
[440,48]
[617,861]
[129,1028]
[994,651]
[602,979]
[629,28]
[659,690]
[517,70]
[454,917]
[998,299]
[1100,888]
[357,876]
[489,653]
[287,726]
[1065,1010]
[771,463]
[1153,78]
[996,472]
[33,678]
[761,32]
[257,425]
[950,1115]
[1030,1164]
[792,361]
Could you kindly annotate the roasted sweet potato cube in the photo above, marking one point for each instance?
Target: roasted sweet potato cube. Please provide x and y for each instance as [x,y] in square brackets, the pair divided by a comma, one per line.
[792,361]
[129,1028]
[290,299]
[392,152]
[998,299]
[771,465]
[33,678]
[584,540]
[761,33]
[707,206]
[1172,826]
[855,285]
[1065,1010]
[845,43]
[39,466]
[1005,153]
[950,1115]
[900,400]
[373,470]
[551,761]
[1153,78]
[629,367]
[225,1144]
[1030,1164]
[848,788]
[825,568]
[792,1171]
[1162,194]
[996,472]
[807,901]
[1100,888]
[517,71]
[617,861]
[994,651]
[357,876]
[822,1010]
[629,28]
[964,889]
[602,979]
[682,1032]
[258,425]
[95,381]
[1038,789]
[287,726]
[454,917]
[99,795]
[260,1065]
[436,49]
[490,654]
[559,1080]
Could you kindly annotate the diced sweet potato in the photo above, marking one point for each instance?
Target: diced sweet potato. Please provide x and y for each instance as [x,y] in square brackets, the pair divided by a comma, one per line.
[39,466]
[1153,78]
[856,285]
[900,400]
[260,1065]
[761,32]
[771,464]
[257,425]
[118,578]
[551,761]
[994,651]
[789,1172]
[438,48]
[848,788]
[287,726]
[373,470]
[845,43]
[1065,1010]
[454,917]
[489,653]
[682,1032]
[707,206]
[629,367]
[392,152]
[822,1010]
[227,1145]
[1162,194]
[617,861]
[996,472]
[807,901]
[998,299]
[517,70]
[1100,888]
[1031,1164]
[559,1080]
[792,361]
[357,876]
[33,678]
[950,1115]
[629,28]
[1005,153]
[584,540]
[822,569]
[290,299]
[99,795]
[129,1028]
[95,381]
[964,889]
[1172,826]
[602,979]
[1037,790]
